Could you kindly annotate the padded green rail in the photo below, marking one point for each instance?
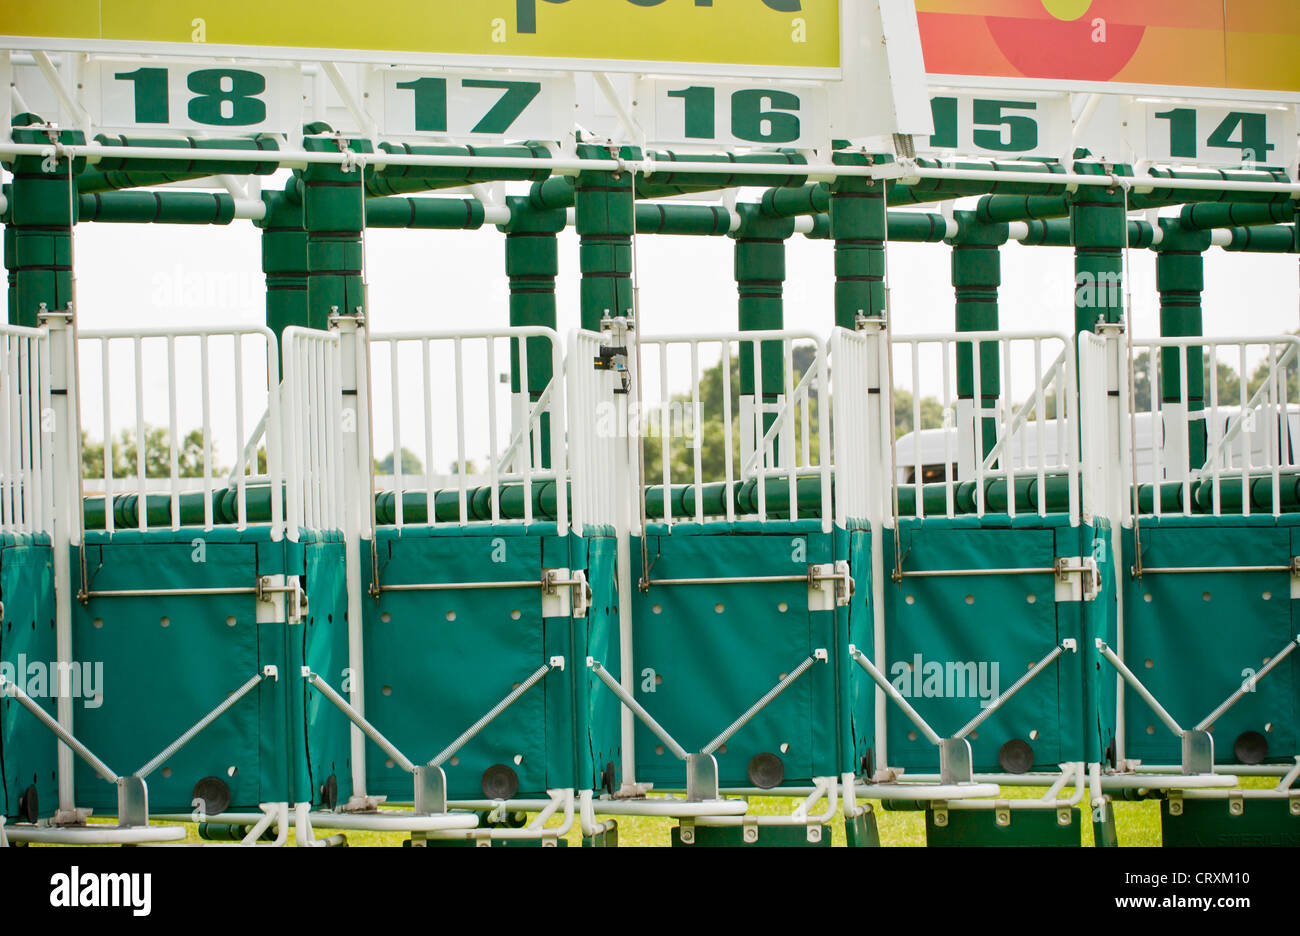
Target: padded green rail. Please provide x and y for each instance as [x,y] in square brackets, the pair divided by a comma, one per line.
[934,498]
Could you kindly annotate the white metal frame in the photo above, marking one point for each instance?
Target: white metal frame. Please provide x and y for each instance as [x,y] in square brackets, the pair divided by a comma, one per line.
[26,438]
[100,342]
[1017,425]
[517,459]
[1227,423]
[780,452]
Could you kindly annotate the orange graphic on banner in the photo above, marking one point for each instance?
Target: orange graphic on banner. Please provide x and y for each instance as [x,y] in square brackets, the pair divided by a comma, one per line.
[1239,44]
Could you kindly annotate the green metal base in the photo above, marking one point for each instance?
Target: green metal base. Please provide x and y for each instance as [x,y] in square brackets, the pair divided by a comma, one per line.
[605,839]
[1211,823]
[768,836]
[861,831]
[1040,828]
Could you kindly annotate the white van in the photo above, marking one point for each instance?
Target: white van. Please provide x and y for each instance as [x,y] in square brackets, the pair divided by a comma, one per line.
[935,444]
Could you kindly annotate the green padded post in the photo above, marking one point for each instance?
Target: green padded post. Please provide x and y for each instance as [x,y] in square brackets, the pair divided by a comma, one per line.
[605,206]
[859,226]
[1097,230]
[760,280]
[976,276]
[334,215]
[1180,279]
[284,258]
[38,238]
[532,263]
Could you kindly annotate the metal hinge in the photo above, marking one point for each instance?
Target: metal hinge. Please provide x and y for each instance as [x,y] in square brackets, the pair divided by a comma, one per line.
[271,593]
[1077,578]
[830,585]
[565,593]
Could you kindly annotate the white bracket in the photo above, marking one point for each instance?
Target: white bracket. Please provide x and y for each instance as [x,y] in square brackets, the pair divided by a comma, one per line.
[1077,578]
[272,608]
[565,593]
[830,585]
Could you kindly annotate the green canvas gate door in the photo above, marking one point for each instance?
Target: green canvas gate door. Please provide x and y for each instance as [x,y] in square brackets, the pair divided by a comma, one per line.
[705,651]
[438,658]
[1194,638]
[957,641]
[175,621]
[28,760]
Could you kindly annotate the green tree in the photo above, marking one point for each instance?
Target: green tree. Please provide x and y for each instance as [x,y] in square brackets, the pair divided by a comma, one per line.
[905,412]
[411,464]
[157,455]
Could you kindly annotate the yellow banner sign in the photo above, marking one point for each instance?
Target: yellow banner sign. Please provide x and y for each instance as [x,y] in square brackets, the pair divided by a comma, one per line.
[800,35]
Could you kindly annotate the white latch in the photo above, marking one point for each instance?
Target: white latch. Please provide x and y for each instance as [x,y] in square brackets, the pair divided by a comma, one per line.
[830,585]
[272,608]
[1077,578]
[565,593]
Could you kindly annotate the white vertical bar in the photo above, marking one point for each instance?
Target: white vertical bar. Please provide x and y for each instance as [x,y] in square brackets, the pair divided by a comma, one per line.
[1277,389]
[430,498]
[273,437]
[825,415]
[1247,439]
[492,425]
[727,447]
[1004,406]
[394,380]
[460,430]
[1157,431]
[108,436]
[23,403]
[559,462]
[530,437]
[949,411]
[241,486]
[141,438]
[173,435]
[696,435]
[1215,432]
[918,464]
[1040,413]
[665,442]
[207,433]
[786,437]
[293,430]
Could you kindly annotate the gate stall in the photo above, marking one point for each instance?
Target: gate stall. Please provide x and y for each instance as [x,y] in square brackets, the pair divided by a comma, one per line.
[1206,666]
[29,649]
[999,583]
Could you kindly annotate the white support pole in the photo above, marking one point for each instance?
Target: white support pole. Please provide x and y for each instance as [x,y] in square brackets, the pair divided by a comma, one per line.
[356,486]
[67,524]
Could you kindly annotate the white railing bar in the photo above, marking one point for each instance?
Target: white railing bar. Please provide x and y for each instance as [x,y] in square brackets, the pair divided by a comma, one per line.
[728,448]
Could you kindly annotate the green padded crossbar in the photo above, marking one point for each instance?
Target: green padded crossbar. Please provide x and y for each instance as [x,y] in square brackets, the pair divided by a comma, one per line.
[934,498]
[158,508]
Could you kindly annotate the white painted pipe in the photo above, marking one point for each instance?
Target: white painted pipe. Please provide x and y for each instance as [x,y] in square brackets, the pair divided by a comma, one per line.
[671,808]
